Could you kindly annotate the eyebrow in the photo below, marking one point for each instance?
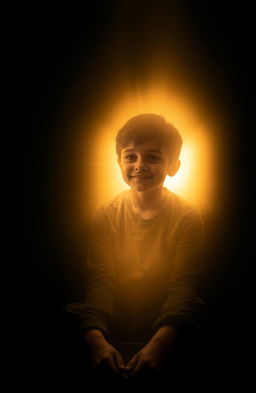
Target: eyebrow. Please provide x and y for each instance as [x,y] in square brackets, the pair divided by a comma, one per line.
[149,150]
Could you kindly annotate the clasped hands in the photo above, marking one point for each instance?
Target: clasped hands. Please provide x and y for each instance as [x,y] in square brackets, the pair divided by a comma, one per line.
[149,358]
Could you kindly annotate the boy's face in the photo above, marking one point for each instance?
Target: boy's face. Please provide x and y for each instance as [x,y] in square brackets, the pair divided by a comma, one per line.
[145,166]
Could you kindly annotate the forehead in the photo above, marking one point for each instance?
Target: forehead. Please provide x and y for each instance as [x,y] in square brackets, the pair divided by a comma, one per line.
[147,146]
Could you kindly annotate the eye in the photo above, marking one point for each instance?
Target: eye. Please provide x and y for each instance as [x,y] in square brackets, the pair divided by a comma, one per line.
[153,158]
[130,157]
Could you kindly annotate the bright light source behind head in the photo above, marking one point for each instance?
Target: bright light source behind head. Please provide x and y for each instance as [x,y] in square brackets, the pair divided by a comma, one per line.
[194,179]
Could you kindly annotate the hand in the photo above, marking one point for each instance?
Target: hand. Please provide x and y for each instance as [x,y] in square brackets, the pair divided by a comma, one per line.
[150,358]
[102,353]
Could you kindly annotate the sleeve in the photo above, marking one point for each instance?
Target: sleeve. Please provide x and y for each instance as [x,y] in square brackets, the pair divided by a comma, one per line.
[183,307]
[96,310]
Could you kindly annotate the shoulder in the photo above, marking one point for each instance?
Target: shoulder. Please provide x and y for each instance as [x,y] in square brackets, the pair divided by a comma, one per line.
[113,203]
[110,207]
[182,209]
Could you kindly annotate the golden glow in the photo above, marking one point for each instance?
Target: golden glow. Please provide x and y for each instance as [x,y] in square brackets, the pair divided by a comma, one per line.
[193,181]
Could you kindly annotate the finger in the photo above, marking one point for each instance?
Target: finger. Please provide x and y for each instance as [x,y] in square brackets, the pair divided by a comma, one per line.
[132,363]
[111,363]
[119,360]
[138,368]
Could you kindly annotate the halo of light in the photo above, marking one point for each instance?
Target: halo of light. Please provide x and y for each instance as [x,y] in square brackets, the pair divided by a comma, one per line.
[195,178]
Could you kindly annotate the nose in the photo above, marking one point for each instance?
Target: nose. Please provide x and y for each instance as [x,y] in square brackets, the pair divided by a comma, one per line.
[139,165]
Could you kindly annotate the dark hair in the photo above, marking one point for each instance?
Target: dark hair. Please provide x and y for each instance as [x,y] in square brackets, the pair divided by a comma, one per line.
[148,126]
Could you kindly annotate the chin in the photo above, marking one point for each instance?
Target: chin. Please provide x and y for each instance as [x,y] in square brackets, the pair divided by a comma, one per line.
[141,188]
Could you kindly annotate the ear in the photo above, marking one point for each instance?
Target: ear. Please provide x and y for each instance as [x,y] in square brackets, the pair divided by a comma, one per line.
[174,167]
[119,161]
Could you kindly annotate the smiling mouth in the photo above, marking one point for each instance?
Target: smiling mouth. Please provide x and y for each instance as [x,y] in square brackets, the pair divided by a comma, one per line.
[141,177]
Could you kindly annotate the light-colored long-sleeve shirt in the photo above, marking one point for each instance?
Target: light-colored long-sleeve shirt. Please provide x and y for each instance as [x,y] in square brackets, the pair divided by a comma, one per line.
[139,268]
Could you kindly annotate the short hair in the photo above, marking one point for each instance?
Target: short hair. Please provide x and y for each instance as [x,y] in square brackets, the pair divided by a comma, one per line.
[148,126]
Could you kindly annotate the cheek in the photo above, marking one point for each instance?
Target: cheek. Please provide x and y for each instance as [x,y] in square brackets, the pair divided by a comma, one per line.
[126,171]
[160,174]
[158,171]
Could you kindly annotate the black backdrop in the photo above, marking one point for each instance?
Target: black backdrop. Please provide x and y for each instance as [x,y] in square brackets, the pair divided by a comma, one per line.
[47,49]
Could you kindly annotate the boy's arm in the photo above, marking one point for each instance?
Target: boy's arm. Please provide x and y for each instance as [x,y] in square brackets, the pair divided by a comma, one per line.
[183,306]
[96,310]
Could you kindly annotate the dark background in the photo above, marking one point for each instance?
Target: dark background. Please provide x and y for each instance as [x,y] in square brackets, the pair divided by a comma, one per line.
[47,50]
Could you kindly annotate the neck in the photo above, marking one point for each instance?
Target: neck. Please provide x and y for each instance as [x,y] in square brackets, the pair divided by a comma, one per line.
[148,200]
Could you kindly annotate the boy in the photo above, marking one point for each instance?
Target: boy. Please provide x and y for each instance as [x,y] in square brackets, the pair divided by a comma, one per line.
[144,258]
